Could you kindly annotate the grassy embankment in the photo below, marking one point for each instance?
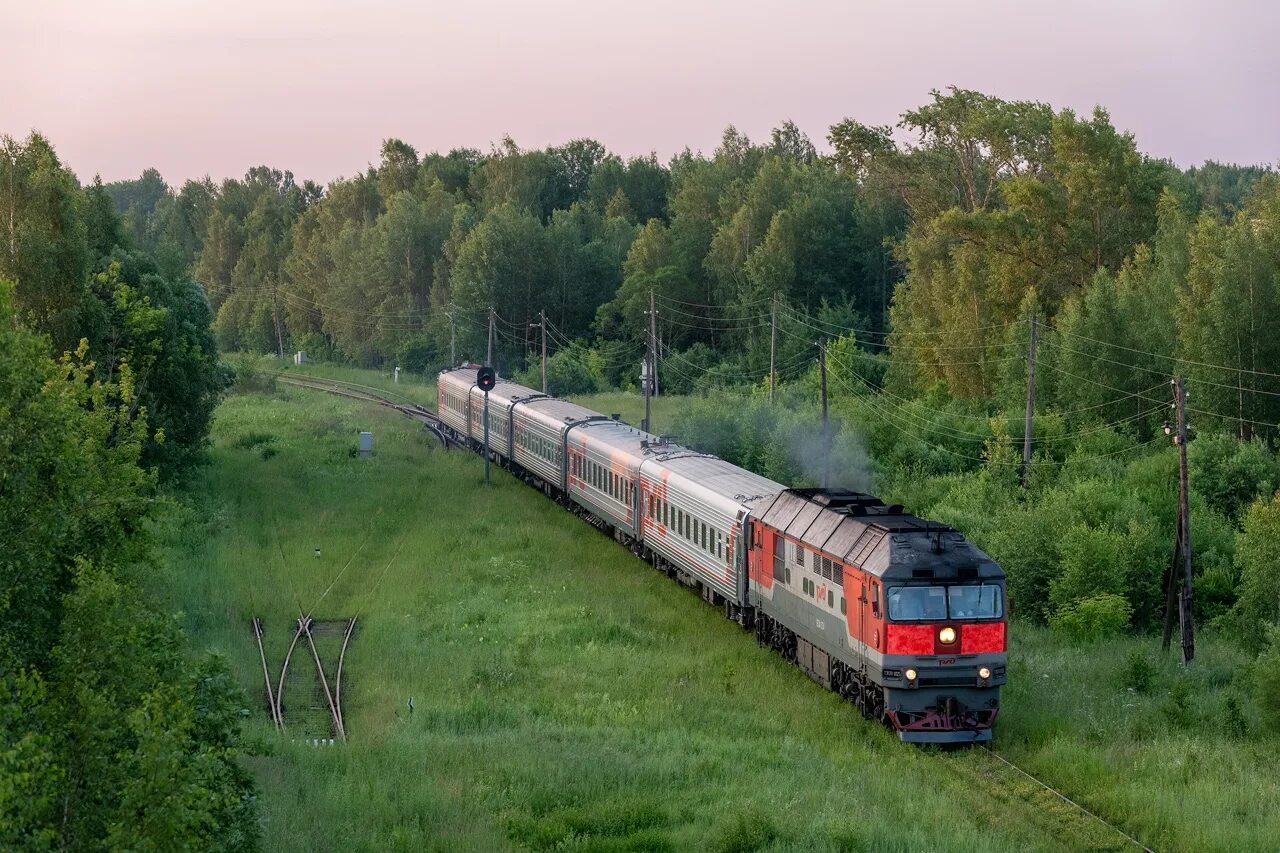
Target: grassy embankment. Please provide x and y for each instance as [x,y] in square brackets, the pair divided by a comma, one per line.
[566,695]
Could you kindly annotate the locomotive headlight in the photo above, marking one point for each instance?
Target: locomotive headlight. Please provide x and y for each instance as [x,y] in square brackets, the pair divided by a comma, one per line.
[910,675]
[984,672]
[947,635]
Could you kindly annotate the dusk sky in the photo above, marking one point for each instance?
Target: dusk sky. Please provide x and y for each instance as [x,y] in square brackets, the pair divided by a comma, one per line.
[194,87]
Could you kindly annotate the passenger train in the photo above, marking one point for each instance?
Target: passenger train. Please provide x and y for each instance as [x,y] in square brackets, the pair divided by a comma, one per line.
[903,617]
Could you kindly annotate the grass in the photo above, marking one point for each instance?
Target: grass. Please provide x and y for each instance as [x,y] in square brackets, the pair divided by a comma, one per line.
[567,697]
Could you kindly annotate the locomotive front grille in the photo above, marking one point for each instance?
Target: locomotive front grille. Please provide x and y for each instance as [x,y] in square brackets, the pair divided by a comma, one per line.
[948,681]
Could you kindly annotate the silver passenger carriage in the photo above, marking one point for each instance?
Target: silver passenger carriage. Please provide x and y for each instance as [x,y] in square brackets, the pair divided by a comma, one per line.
[695,515]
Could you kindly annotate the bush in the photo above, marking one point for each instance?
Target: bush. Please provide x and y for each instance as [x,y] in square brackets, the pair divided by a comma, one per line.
[1096,617]
[1229,473]
[1267,682]
[1138,672]
[573,370]
[418,354]
[252,375]
[1091,563]
[1258,558]
[315,345]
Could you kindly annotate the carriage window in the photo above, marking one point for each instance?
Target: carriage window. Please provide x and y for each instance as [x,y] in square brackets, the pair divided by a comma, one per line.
[831,601]
[843,607]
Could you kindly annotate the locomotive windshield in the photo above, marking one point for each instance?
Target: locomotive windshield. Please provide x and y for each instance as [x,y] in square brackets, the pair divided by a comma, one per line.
[935,603]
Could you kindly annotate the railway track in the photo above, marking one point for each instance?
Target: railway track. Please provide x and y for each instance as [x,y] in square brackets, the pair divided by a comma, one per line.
[310,633]
[1102,833]
[368,394]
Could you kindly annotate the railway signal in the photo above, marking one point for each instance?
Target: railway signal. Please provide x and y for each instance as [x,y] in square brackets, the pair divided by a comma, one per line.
[486,379]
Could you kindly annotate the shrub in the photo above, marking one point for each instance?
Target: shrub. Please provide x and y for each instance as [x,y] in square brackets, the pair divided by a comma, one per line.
[417,354]
[1176,707]
[1267,682]
[1096,617]
[1258,558]
[573,370]
[1092,561]
[1229,473]
[251,374]
[1138,672]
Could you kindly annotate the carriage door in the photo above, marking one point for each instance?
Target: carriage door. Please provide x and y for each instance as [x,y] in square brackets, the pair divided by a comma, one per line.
[779,558]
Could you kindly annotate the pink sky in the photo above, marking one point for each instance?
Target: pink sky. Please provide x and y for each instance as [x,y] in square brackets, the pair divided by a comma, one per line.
[198,87]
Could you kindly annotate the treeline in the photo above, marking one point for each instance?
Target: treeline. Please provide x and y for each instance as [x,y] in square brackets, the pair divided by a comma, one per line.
[922,254]
[112,736]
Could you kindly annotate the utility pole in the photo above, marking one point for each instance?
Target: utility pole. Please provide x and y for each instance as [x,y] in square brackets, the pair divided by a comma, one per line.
[1031,403]
[275,318]
[488,353]
[651,365]
[1184,518]
[773,341]
[826,433]
[542,324]
[453,341]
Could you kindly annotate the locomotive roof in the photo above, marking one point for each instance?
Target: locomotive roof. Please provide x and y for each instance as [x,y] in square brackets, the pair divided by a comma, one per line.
[880,538]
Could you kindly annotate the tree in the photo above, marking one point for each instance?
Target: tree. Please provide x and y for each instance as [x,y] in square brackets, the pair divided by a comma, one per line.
[398,171]
[44,248]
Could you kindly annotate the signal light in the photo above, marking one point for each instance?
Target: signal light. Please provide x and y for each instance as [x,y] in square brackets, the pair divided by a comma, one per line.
[486,379]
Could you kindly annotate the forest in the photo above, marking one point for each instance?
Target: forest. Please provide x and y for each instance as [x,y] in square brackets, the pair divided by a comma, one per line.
[919,256]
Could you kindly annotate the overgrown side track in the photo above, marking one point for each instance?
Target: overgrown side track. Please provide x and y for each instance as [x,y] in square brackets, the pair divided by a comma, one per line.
[367,394]
[266,672]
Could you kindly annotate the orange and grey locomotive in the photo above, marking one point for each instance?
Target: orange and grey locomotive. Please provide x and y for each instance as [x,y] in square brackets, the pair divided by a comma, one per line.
[903,617]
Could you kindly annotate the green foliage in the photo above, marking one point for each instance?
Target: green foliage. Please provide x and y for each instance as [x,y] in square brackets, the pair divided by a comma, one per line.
[1139,672]
[1258,560]
[1266,675]
[1092,618]
[571,371]
[1231,474]
[109,735]
[253,374]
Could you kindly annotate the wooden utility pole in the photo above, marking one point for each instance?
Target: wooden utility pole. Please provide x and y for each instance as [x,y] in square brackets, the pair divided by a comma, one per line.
[488,353]
[826,433]
[542,324]
[275,318]
[650,365]
[1184,517]
[1031,404]
[773,341]
[453,341]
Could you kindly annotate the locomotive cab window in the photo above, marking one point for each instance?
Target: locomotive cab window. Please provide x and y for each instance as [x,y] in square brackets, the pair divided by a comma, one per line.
[935,603]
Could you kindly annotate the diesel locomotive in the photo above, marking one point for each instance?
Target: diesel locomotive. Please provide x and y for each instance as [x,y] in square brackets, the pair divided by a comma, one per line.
[901,616]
